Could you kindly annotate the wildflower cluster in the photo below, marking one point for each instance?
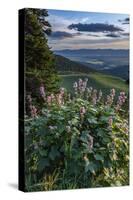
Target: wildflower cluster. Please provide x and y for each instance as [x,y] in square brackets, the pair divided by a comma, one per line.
[55,98]
[42,91]
[31,107]
[82,90]
[110,121]
[81,134]
[110,97]
[80,86]
[90,142]
[121,100]
[82,111]
[94,97]
[99,96]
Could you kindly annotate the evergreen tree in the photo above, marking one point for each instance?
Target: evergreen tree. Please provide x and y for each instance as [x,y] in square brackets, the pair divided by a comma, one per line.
[39,60]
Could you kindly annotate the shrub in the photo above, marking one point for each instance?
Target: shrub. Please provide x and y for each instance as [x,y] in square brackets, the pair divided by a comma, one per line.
[77,142]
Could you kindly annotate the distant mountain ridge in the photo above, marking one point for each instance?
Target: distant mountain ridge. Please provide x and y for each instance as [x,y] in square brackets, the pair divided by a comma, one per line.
[111,61]
[92,51]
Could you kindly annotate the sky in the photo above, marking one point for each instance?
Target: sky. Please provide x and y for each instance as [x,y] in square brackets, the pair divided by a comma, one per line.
[88,30]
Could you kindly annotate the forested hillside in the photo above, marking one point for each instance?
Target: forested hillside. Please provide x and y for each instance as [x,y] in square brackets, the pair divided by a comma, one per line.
[64,64]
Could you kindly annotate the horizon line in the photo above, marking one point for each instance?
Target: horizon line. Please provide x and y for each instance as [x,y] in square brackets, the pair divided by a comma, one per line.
[91,49]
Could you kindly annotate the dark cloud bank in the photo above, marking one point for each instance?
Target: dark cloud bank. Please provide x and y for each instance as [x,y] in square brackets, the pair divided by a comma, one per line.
[112,35]
[125,21]
[109,30]
[97,27]
[63,34]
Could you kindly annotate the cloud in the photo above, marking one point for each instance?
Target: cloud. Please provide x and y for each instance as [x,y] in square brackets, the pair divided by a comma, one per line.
[78,43]
[125,34]
[84,20]
[125,21]
[112,35]
[58,23]
[94,35]
[97,27]
[61,35]
[117,35]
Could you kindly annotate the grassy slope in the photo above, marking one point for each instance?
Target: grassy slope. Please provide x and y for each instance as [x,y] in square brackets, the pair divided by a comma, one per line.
[111,81]
[95,80]
[71,71]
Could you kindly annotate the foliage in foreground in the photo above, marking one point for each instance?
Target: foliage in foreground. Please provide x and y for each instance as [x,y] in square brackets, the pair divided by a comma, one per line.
[76,142]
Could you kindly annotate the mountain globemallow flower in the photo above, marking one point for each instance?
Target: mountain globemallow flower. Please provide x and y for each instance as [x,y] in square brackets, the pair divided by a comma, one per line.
[42,91]
[49,100]
[29,98]
[121,100]
[68,128]
[33,111]
[62,91]
[75,85]
[90,142]
[94,97]
[113,92]
[110,121]
[82,111]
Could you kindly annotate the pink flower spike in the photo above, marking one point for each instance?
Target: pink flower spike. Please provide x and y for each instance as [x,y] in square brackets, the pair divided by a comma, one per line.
[82,111]
[33,111]
[49,100]
[110,121]
[42,91]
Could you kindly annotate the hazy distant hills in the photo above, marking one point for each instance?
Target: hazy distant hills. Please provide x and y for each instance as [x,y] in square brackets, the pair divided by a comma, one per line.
[110,61]
[95,52]
[120,71]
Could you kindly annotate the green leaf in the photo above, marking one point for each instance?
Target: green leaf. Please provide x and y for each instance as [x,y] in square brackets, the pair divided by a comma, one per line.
[90,166]
[118,183]
[73,140]
[54,153]
[84,136]
[74,121]
[73,167]
[106,140]
[94,110]
[61,128]
[43,152]
[92,121]
[109,112]
[104,119]
[76,130]
[28,141]
[99,157]
[42,131]
[43,163]
[100,133]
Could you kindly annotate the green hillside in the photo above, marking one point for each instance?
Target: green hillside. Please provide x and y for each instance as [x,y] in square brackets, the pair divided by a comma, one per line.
[97,81]
[63,64]
[71,71]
